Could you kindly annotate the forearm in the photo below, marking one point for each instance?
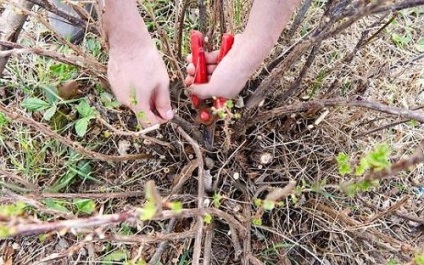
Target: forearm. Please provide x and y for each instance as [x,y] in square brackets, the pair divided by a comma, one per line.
[123,24]
[266,22]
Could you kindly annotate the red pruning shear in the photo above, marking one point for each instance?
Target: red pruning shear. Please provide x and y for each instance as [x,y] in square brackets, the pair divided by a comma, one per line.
[205,116]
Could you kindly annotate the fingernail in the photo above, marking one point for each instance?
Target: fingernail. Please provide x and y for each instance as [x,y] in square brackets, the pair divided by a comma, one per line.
[169,114]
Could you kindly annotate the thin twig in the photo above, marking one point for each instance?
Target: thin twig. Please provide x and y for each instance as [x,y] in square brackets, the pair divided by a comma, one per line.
[141,133]
[197,249]
[21,227]
[163,245]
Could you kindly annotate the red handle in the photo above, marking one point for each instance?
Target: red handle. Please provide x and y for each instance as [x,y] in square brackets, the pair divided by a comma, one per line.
[199,61]
[226,44]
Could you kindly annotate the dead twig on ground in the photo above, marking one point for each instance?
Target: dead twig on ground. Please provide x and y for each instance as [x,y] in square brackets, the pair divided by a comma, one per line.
[16,117]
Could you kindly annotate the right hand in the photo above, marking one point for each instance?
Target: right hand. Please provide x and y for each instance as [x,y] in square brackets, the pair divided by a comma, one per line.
[226,79]
[139,80]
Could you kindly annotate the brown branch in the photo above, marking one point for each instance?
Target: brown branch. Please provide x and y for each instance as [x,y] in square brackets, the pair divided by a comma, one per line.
[16,117]
[21,228]
[197,249]
[106,195]
[23,181]
[370,234]
[403,164]
[189,128]
[91,66]
[317,104]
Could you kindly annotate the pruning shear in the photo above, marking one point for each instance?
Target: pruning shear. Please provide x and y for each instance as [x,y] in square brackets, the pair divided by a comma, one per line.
[205,116]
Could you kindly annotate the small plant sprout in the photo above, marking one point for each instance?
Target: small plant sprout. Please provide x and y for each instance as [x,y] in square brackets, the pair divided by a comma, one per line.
[207,219]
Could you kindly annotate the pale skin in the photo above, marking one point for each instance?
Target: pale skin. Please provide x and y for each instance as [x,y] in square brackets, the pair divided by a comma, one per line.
[138,75]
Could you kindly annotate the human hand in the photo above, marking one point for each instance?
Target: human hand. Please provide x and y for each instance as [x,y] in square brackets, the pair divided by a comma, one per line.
[224,80]
[139,80]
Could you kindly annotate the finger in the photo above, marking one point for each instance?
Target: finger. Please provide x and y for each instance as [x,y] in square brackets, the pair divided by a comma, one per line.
[191,70]
[162,103]
[201,91]
[189,58]
[211,57]
[146,118]
[189,80]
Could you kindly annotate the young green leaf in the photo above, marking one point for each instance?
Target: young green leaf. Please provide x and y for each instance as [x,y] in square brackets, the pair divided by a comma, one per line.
[84,109]
[56,205]
[49,113]
[9,210]
[34,104]
[81,126]
[217,200]
[177,207]
[343,164]
[207,219]
[115,256]
[149,210]
[269,205]
[379,158]
[362,167]
[257,221]
[86,206]
[7,231]
[420,45]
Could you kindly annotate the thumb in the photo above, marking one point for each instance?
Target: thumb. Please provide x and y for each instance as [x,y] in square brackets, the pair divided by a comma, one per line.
[163,103]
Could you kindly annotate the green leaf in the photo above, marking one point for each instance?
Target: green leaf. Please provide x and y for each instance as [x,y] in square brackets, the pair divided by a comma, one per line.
[86,206]
[7,231]
[81,126]
[343,164]
[63,71]
[34,104]
[3,120]
[379,158]
[258,202]
[420,45]
[400,40]
[207,219]
[56,205]
[362,167]
[419,259]
[49,113]
[84,109]
[177,207]
[229,103]
[117,255]
[149,210]
[217,200]
[9,210]
[257,221]
[108,101]
[269,205]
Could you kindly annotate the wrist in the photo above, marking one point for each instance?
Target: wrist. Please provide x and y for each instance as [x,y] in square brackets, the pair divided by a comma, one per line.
[124,27]
[253,51]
